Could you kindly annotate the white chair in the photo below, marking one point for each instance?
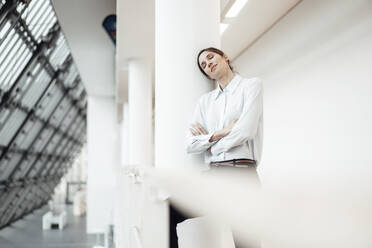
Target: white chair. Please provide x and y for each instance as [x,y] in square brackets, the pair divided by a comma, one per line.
[49,219]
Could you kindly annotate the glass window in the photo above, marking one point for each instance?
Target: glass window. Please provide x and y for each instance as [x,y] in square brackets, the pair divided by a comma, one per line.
[38,118]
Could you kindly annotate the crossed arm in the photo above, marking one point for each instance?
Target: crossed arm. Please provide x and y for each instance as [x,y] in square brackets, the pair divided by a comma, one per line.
[198,139]
[197,129]
[236,133]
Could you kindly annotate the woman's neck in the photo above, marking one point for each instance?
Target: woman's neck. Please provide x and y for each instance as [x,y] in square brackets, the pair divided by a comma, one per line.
[225,79]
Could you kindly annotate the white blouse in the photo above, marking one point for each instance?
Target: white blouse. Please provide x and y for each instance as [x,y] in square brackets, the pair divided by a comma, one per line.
[242,100]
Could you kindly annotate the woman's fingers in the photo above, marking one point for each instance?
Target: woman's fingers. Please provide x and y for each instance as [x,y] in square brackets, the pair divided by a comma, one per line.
[193,131]
[201,129]
[197,129]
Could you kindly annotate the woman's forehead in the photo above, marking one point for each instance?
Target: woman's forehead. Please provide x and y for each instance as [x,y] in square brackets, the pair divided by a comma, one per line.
[204,54]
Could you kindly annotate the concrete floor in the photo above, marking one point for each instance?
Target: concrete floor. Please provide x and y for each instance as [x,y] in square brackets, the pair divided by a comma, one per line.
[28,233]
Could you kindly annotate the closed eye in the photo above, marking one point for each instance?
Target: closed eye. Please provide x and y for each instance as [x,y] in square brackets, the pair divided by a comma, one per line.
[203,64]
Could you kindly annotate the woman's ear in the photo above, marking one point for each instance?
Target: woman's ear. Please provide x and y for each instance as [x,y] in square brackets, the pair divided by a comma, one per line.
[226,58]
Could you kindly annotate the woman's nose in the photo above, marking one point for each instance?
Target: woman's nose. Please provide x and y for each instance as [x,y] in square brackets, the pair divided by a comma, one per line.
[210,64]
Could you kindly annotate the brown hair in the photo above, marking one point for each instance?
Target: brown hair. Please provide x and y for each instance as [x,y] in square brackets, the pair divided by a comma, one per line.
[215,50]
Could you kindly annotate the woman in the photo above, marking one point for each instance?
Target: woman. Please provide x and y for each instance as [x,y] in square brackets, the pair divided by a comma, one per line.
[228,122]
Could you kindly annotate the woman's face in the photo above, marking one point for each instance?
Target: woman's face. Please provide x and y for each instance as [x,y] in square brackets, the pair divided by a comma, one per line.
[213,64]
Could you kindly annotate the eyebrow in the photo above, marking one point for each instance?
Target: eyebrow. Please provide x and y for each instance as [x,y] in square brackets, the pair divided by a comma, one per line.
[203,64]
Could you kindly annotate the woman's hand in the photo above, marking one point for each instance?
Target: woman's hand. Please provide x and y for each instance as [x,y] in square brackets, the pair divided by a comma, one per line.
[197,129]
[223,132]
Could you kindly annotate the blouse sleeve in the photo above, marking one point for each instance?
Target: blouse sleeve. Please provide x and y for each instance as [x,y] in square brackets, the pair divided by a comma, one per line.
[199,143]
[246,127]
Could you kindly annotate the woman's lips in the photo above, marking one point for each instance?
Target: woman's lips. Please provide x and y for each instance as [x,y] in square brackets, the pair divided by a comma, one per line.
[213,68]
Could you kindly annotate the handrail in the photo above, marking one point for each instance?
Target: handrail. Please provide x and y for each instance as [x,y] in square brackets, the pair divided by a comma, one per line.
[290,215]
[134,172]
[184,188]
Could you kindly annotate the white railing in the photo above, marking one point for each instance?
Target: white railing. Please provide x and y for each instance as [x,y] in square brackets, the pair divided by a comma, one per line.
[292,215]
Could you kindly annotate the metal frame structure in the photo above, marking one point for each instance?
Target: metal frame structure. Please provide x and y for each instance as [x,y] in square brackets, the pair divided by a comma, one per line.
[43,107]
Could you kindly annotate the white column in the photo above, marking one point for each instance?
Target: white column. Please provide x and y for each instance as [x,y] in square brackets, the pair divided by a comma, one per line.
[103,160]
[140,111]
[124,149]
[182,28]
[138,147]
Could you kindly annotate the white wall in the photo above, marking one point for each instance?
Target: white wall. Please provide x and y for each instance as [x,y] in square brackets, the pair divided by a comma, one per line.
[103,160]
[91,47]
[316,67]
[93,52]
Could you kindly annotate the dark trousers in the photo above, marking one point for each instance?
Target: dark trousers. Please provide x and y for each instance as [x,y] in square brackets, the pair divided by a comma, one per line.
[175,217]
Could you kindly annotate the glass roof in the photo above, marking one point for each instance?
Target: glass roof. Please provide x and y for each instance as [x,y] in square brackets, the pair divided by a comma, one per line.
[42,107]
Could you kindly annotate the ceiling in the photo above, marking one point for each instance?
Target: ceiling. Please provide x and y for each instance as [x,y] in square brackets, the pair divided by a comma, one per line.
[95,54]
[253,20]
[135,30]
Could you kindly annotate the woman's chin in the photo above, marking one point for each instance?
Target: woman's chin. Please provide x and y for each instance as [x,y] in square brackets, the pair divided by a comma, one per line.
[216,75]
